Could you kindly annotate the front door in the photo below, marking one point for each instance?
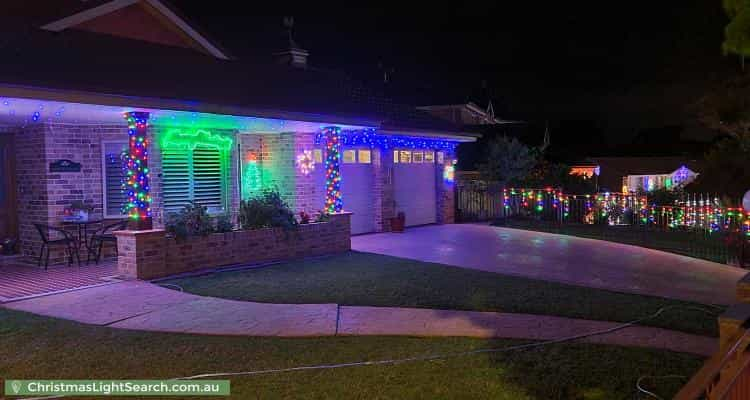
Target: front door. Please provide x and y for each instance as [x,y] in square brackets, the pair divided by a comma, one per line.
[8,216]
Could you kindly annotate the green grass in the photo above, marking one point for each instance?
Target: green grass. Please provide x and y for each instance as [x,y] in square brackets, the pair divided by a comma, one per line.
[701,245]
[34,347]
[365,279]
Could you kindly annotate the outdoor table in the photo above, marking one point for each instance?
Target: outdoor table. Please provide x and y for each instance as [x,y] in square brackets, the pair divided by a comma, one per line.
[82,227]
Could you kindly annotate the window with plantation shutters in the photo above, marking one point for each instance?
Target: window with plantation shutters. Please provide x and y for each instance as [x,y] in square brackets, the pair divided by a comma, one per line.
[113,195]
[193,173]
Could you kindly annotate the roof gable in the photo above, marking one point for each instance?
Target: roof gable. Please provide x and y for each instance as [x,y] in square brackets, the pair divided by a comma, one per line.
[146,20]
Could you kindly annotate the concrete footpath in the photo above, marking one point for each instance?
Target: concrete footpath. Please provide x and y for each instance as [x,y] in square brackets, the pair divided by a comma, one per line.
[144,306]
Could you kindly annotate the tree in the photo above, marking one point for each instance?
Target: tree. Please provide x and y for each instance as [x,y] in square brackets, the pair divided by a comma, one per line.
[727,170]
[508,161]
[737,32]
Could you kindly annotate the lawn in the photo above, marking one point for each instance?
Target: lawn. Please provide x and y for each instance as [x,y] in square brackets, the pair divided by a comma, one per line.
[40,347]
[364,279]
[701,245]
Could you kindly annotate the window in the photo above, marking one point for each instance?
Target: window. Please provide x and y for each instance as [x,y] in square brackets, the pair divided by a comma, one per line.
[196,174]
[318,156]
[417,157]
[395,156]
[429,157]
[440,157]
[404,157]
[364,156]
[350,156]
[113,196]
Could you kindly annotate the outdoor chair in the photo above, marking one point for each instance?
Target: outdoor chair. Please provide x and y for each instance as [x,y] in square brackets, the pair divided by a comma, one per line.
[64,238]
[104,234]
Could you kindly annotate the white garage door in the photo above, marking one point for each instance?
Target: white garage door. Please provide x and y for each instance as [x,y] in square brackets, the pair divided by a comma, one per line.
[357,180]
[414,186]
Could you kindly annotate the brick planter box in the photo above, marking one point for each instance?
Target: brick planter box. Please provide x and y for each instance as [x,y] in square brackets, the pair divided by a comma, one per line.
[152,254]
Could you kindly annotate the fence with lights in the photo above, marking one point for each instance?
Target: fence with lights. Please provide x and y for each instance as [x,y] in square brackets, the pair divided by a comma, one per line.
[699,225]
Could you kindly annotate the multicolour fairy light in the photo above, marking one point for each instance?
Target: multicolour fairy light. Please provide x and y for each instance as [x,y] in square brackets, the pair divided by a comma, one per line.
[449,172]
[135,166]
[334,202]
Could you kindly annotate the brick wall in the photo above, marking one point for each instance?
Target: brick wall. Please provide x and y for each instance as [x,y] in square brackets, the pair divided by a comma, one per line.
[277,155]
[31,181]
[150,254]
[42,195]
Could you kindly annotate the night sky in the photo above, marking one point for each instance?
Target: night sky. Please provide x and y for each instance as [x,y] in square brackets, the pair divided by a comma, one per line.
[609,78]
[606,74]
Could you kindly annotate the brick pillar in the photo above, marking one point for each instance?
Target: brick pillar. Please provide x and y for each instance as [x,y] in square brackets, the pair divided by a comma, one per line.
[141,254]
[137,186]
[382,162]
[446,207]
[332,156]
[342,231]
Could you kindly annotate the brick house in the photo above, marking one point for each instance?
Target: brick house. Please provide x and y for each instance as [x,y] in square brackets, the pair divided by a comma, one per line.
[216,129]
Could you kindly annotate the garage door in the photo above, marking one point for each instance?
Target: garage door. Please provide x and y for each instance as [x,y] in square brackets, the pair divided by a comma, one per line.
[414,186]
[357,180]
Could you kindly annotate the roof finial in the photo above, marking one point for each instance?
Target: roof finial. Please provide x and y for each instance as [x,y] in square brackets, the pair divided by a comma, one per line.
[289,25]
[293,55]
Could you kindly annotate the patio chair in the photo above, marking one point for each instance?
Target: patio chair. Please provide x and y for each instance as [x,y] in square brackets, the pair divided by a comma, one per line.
[64,238]
[104,234]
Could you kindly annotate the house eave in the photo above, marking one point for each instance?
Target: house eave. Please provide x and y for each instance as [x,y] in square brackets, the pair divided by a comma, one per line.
[145,103]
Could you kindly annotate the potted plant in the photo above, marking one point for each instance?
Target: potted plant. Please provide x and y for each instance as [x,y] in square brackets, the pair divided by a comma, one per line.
[78,211]
[8,246]
[398,222]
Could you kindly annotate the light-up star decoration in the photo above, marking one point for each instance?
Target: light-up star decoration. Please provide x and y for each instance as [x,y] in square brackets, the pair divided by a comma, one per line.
[306,162]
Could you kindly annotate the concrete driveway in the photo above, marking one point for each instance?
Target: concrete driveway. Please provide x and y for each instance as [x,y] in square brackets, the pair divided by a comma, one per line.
[561,258]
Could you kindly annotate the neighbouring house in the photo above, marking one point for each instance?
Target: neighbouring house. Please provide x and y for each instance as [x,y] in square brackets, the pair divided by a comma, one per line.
[644,174]
[585,170]
[86,85]
[466,114]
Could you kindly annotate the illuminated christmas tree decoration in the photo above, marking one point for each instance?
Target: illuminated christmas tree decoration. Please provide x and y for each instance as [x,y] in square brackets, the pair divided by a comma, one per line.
[251,176]
[135,165]
[334,202]
[306,162]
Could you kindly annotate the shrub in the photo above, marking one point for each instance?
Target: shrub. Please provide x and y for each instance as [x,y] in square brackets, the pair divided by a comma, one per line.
[224,223]
[192,220]
[265,211]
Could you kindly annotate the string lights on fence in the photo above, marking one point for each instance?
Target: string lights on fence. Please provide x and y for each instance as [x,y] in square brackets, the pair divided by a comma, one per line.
[692,212]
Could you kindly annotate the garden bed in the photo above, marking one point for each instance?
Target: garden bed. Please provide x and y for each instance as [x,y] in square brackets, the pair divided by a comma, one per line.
[153,254]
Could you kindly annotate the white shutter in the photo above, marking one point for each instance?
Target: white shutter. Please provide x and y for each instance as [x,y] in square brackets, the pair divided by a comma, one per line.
[114,196]
[208,178]
[196,175]
[175,178]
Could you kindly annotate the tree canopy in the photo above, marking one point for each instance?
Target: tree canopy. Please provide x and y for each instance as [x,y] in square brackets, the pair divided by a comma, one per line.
[508,161]
[737,32]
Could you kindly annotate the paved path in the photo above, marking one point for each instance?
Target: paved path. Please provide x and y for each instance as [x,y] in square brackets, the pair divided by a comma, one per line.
[561,258]
[144,306]
[18,280]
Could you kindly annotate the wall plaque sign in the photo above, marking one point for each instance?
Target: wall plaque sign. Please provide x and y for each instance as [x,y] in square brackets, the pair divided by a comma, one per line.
[64,166]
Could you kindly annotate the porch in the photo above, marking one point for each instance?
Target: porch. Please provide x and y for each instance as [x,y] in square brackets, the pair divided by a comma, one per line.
[22,280]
